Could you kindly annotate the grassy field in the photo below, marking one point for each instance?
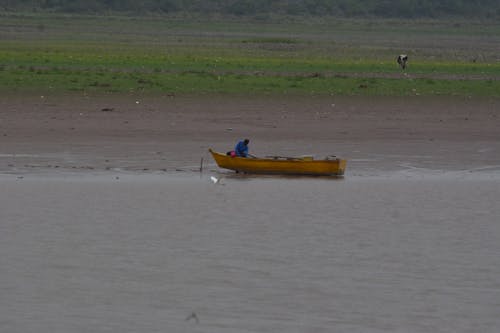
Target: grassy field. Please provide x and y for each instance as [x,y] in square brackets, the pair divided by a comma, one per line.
[192,55]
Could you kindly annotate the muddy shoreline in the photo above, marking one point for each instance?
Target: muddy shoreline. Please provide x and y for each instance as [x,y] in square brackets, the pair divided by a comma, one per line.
[169,133]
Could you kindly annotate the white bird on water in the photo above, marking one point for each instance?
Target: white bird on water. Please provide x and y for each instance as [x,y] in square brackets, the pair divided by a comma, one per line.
[193,316]
[215,180]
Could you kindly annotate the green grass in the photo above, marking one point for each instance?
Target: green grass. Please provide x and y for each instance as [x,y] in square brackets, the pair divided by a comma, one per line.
[176,55]
[204,82]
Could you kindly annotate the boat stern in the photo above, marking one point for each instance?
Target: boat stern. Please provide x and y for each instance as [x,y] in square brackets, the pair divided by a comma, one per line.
[342,166]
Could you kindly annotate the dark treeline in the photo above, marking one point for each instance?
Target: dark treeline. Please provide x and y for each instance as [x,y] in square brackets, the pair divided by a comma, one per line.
[339,8]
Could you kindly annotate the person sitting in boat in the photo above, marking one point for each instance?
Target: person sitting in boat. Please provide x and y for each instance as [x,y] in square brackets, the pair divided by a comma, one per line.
[241,148]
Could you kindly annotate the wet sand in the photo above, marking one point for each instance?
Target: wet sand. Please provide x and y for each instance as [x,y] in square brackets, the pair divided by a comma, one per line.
[168,133]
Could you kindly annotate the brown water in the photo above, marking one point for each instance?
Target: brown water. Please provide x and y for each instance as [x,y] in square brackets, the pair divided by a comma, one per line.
[411,251]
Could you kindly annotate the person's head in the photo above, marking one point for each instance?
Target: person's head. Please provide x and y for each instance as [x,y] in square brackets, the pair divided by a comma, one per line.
[246,141]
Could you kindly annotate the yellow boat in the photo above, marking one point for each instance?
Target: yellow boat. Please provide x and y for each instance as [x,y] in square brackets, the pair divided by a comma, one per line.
[282,165]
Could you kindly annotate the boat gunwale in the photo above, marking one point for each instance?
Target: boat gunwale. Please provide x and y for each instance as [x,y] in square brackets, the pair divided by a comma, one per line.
[251,165]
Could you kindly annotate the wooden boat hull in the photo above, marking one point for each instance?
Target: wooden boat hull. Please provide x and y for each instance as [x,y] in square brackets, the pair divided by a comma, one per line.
[283,166]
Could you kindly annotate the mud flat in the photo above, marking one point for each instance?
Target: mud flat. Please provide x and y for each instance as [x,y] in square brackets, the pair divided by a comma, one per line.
[173,133]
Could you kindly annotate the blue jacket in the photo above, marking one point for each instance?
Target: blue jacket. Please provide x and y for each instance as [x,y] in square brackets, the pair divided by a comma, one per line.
[241,149]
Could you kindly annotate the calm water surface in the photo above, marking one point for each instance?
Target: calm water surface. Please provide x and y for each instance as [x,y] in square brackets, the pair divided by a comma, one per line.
[413,252]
